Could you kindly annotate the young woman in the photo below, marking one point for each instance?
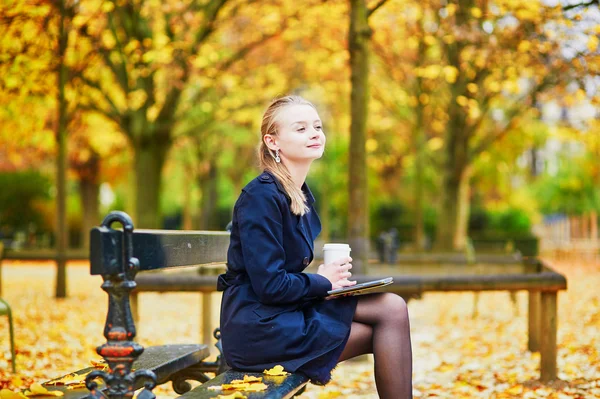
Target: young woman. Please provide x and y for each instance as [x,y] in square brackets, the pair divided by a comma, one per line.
[272,313]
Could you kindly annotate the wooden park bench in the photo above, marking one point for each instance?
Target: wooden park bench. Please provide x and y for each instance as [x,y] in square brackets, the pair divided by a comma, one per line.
[118,255]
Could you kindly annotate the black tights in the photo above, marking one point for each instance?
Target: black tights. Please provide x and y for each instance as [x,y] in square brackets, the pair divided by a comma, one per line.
[381,327]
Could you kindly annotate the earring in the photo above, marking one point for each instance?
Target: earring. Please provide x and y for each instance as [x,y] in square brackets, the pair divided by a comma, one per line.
[277,159]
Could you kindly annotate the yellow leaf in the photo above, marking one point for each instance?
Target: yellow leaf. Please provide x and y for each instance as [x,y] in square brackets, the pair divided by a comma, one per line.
[462,101]
[8,394]
[235,384]
[592,44]
[524,46]
[17,381]
[36,389]
[256,387]
[451,73]
[476,12]
[251,378]
[516,390]
[277,370]
[108,6]
[99,364]
[435,143]
[232,396]
[330,395]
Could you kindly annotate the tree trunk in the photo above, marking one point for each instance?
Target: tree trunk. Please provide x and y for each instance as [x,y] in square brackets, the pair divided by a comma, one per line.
[209,199]
[89,191]
[454,208]
[359,37]
[420,140]
[150,157]
[61,166]
[419,236]
[188,223]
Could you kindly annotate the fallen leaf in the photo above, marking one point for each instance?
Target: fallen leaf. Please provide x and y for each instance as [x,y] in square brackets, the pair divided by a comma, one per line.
[8,394]
[256,387]
[36,389]
[277,370]
[232,396]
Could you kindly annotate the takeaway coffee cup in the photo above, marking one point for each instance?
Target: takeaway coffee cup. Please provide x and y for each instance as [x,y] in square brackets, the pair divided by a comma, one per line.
[332,252]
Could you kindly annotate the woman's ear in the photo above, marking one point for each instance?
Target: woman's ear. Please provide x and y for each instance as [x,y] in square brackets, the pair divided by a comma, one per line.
[270,142]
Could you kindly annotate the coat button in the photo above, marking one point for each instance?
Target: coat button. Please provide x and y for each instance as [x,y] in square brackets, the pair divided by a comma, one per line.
[305,261]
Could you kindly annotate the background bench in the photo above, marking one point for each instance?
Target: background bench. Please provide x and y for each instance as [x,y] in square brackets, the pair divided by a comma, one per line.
[530,274]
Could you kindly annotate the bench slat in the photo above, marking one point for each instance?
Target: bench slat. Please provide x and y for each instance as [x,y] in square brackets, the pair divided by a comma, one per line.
[278,387]
[156,249]
[547,280]
[163,360]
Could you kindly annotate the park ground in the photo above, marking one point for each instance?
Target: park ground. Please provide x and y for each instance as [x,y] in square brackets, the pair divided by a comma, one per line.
[455,355]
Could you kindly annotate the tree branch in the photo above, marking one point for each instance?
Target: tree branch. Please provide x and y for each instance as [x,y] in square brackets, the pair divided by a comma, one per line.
[114,113]
[123,67]
[587,4]
[106,58]
[94,108]
[375,7]
[211,12]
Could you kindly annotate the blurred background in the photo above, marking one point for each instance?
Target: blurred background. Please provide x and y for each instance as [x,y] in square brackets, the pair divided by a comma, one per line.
[461,122]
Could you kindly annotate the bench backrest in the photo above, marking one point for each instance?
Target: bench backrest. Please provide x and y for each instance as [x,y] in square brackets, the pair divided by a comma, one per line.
[156,249]
[153,249]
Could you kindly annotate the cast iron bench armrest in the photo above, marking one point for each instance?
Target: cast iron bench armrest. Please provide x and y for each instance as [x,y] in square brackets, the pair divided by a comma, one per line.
[118,256]
[278,386]
[169,362]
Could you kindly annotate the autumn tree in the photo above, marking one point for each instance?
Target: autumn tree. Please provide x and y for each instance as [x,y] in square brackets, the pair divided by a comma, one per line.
[478,68]
[149,57]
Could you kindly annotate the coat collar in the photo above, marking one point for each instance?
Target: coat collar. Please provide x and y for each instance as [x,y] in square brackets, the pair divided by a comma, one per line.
[268,176]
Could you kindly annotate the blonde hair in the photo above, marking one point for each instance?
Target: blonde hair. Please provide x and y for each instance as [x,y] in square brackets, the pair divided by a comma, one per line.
[266,158]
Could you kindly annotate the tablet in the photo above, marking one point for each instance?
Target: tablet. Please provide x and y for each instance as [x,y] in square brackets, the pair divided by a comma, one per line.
[360,289]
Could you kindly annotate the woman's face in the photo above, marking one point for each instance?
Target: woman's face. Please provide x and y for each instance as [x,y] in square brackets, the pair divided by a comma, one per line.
[300,135]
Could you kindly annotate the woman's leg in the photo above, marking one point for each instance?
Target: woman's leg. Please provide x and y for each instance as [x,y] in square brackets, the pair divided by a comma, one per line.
[381,326]
[359,343]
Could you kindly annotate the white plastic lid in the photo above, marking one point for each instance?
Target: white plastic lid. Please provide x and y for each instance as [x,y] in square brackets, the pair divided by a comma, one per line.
[336,247]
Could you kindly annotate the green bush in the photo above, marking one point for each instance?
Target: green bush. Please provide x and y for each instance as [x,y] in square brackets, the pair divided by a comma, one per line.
[18,196]
[505,223]
[571,191]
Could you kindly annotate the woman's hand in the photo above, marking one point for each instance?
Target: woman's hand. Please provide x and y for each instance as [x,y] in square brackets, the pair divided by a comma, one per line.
[337,272]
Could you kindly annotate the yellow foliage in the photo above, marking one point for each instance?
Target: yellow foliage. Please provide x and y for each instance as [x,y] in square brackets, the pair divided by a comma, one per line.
[451,9]
[108,39]
[435,143]
[592,44]
[524,46]
[450,73]
[462,101]
[107,6]
[371,145]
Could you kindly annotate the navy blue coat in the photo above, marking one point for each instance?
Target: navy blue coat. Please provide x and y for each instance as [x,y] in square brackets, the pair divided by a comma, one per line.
[272,312]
